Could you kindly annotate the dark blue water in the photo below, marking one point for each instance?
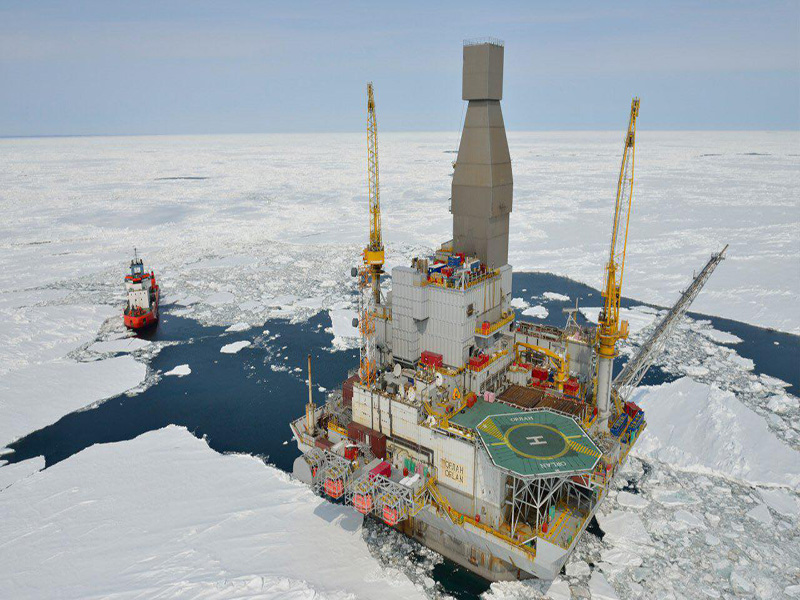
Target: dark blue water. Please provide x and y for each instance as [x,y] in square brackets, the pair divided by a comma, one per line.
[236,401]
[240,404]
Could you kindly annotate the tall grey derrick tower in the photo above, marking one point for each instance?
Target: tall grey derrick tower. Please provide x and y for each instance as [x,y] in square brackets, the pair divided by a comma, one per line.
[482,183]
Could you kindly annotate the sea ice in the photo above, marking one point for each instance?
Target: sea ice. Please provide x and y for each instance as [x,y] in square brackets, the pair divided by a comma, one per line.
[234,347]
[781,501]
[220,298]
[721,337]
[556,296]
[538,312]
[180,371]
[39,395]
[128,344]
[631,500]
[344,334]
[600,588]
[760,513]
[637,317]
[519,303]
[10,474]
[240,326]
[165,516]
[700,427]
[623,527]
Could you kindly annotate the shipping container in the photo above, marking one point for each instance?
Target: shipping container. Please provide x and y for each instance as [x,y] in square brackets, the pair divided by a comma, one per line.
[324,443]
[432,359]
[347,390]
[619,424]
[374,439]
[631,409]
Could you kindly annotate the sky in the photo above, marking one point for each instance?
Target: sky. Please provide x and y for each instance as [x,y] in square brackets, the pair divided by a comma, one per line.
[195,67]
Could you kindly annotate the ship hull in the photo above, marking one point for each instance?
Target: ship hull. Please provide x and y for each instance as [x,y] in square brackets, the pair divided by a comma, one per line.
[145,320]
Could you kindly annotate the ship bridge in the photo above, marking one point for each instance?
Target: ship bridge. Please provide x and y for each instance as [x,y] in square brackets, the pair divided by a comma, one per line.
[539,443]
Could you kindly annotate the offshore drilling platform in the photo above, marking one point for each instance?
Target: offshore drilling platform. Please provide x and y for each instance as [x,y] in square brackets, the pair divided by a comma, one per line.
[489,439]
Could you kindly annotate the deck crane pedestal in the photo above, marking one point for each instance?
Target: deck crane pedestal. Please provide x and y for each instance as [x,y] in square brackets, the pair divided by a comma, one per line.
[610,327]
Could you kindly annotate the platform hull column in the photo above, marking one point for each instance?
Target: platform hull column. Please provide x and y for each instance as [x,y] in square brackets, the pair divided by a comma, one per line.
[605,367]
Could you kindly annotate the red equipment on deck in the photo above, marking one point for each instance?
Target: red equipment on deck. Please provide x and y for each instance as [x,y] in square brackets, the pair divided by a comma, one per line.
[383,468]
[431,359]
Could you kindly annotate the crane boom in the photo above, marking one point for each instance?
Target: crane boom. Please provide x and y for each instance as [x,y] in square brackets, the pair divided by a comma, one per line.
[610,327]
[373,254]
[372,268]
[636,368]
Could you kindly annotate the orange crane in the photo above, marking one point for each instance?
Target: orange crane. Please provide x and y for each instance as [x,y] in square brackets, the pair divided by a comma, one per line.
[373,258]
[610,327]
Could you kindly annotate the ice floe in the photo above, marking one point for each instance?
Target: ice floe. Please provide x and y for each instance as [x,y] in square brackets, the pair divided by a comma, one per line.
[637,317]
[164,515]
[235,347]
[10,474]
[40,394]
[700,427]
[344,334]
[555,296]
[538,312]
[128,344]
[519,303]
[179,371]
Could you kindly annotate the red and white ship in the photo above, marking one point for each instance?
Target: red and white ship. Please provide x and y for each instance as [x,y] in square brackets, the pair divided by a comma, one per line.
[143,295]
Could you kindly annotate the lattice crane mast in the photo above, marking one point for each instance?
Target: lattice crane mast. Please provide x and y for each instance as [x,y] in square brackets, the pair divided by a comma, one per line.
[610,327]
[372,268]
[373,253]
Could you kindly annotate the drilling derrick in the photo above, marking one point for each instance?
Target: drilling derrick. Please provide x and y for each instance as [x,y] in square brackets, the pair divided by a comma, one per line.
[610,327]
[372,268]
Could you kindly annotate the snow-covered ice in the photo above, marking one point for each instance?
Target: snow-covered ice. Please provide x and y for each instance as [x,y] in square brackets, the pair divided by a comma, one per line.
[235,347]
[10,474]
[781,501]
[555,296]
[240,326]
[295,234]
[165,516]
[40,394]
[289,256]
[127,344]
[519,303]
[637,317]
[537,312]
[700,427]
[344,334]
[179,371]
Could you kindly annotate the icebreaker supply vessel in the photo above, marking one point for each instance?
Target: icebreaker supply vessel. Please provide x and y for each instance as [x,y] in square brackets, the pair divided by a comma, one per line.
[143,296]
[489,439]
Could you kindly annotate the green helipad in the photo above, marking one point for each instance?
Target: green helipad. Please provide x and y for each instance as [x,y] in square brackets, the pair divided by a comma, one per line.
[538,443]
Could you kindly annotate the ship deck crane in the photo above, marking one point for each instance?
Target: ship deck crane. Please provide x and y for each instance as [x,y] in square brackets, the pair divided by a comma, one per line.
[373,258]
[610,327]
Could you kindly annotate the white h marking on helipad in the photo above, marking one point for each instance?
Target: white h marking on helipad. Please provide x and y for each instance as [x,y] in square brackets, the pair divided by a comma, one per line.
[538,440]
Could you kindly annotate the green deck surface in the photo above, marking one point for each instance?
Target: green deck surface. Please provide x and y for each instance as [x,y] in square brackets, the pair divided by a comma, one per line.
[470,417]
[535,443]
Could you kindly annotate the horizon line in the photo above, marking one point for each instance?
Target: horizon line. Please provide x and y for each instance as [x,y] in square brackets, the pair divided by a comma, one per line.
[390,131]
